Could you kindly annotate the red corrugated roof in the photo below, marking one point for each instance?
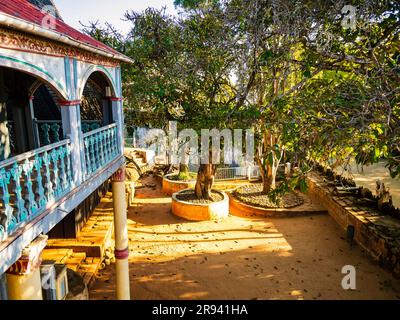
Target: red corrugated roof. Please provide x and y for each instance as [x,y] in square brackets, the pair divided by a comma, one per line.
[24,10]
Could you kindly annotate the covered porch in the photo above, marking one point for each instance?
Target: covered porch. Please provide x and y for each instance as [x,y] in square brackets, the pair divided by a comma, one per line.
[36,136]
[61,125]
[61,134]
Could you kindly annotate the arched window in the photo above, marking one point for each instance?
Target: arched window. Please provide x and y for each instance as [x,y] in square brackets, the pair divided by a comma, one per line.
[95,102]
[25,103]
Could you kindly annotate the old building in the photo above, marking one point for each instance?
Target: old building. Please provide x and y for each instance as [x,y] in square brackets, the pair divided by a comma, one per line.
[61,122]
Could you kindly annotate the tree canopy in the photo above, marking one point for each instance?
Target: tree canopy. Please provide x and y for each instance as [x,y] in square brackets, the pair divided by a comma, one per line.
[319,80]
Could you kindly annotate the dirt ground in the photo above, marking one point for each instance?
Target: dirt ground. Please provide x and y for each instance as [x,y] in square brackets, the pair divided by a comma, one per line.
[239,258]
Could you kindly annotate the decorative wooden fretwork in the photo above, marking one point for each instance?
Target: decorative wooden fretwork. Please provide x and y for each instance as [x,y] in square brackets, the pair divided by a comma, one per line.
[15,40]
[91,101]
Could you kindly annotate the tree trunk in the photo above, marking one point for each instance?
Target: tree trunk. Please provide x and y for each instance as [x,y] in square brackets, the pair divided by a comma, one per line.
[266,185]
[268,171]
[205,181]
[183,168]
[272,178]
[268,175]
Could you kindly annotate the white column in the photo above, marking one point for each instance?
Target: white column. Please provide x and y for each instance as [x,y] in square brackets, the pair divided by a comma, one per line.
[121,235]
[118,117]
[71,120]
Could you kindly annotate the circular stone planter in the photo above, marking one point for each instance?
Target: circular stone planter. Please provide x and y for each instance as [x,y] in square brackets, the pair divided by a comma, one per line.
[201,212]
[170,187]
[238,208]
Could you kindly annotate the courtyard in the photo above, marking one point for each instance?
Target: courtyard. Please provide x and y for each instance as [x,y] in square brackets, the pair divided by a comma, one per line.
[239,258]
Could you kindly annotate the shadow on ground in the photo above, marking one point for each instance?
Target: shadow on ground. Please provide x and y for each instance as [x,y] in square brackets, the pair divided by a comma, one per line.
[240,258]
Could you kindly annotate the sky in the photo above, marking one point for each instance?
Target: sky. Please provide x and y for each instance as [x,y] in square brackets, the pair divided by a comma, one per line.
[73,11]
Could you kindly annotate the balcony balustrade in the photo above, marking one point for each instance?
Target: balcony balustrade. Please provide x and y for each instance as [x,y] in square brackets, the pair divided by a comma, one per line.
[30,181]
[51,131]
[101,147]
[33,181]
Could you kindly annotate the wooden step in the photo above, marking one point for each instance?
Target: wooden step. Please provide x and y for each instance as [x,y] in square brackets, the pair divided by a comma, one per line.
[85,253]
[96,235]
[90,248]
[75,261]
[58,255]
[88,270]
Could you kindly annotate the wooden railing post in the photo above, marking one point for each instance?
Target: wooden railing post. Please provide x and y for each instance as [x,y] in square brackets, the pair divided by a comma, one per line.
[71,121]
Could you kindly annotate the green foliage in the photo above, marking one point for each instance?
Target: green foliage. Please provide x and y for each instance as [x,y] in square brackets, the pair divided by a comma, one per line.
[313,90]
[186,176]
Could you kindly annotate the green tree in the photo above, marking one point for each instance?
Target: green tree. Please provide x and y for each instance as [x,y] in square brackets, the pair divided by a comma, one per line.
[183,71]
[316,86]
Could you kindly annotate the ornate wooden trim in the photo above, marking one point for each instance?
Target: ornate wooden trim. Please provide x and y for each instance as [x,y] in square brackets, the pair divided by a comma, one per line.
[119,175]
[10,39]
[69,103]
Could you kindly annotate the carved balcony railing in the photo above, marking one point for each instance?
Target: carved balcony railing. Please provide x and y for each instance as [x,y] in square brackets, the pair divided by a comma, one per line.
[90,125]
[30,182]
[51,131]
[101,147]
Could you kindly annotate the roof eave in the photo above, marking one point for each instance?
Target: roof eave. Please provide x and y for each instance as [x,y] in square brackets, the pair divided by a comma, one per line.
[25,26]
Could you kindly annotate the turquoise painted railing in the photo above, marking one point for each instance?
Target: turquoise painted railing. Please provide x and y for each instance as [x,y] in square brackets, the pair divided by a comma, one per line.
[90,125]
[51,131]
[31,181]
[101,147]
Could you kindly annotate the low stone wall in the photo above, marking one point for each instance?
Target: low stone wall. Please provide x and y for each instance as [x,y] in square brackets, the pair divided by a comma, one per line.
[376,234]
[148,155]
[170,187]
